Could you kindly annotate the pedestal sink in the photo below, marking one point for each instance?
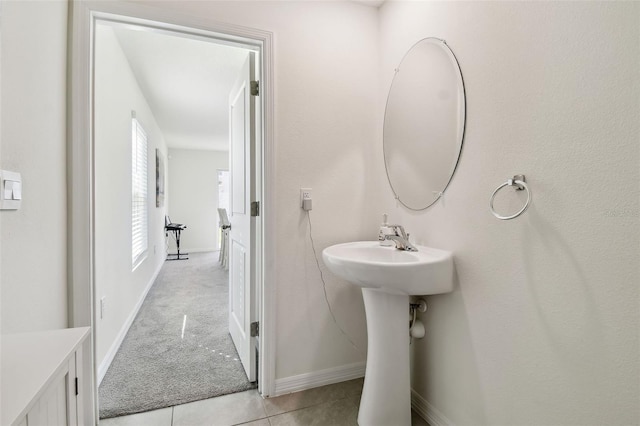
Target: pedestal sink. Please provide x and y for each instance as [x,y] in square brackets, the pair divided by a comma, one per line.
[388,277]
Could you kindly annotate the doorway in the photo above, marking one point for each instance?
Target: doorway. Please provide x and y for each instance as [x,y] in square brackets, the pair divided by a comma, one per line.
[83,202]
[179,92]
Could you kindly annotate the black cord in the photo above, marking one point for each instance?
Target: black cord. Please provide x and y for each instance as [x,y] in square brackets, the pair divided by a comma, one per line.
[324,286]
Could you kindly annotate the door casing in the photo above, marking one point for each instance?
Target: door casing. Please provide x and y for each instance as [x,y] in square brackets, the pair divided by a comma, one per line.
[80,170]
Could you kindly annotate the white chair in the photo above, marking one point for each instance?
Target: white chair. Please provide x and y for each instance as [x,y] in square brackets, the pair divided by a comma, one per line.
[225,226]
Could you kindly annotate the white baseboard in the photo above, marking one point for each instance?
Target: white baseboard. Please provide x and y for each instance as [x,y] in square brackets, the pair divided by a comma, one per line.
[349,372]
[428,411]
[108,359]
[319,378]
[195,250]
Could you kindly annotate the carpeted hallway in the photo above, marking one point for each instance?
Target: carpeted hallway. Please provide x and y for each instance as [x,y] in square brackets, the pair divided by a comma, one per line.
[178,348]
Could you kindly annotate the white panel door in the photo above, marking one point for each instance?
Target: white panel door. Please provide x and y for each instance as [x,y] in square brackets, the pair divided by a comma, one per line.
[241,280]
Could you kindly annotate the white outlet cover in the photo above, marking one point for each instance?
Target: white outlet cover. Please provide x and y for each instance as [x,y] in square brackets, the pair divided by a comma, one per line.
[305,194]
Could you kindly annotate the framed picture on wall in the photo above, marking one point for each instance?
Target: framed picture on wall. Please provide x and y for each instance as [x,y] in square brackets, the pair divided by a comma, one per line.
[159,179]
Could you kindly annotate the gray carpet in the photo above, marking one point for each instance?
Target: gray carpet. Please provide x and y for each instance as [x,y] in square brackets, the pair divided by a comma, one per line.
[156,366]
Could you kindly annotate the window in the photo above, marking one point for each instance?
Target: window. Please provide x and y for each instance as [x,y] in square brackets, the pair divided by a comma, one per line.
[139,199]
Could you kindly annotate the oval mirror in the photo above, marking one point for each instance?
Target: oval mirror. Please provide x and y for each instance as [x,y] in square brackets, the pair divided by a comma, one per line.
[424,123]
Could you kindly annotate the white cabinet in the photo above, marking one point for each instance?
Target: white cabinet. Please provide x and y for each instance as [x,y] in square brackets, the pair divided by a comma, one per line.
[42,378]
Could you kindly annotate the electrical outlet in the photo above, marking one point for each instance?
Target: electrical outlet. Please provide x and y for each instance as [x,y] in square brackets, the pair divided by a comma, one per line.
[103,306]
[305,194]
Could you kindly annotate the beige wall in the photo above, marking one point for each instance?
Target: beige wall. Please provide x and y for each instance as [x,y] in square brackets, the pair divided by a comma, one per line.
[194,201]
[542,328]
[543,325]
[33,126]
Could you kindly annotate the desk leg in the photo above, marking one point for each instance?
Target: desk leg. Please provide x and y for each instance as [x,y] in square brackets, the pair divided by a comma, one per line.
[178,256]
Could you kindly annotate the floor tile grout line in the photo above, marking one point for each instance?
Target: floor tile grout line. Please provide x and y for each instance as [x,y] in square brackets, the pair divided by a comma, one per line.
[347,397]
[308,406]
[264,407]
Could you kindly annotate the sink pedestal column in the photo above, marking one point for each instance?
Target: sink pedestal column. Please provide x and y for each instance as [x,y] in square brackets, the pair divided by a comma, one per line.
[386,396]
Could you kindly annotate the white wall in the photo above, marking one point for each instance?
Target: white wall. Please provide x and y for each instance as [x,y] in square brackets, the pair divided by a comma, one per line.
[194,196]
[325,93]
[116,95]
[33,133]
[543,325]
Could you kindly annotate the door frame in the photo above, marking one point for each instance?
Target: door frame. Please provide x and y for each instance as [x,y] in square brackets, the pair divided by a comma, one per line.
[80,165]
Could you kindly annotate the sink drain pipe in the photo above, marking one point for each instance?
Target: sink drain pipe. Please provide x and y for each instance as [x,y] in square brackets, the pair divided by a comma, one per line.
[416,327]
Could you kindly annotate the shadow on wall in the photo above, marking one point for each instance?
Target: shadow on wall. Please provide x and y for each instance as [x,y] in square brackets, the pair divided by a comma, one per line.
[563,298]
[317,341]
[434,369]
[340,317]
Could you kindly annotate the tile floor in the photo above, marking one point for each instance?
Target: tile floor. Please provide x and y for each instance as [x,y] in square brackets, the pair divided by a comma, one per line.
[332,405]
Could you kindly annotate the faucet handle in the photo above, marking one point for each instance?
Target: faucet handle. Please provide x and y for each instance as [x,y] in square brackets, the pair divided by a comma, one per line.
[401,238]
[399,230]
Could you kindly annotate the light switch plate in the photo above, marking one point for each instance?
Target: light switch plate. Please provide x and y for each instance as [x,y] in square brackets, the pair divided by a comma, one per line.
[15,185]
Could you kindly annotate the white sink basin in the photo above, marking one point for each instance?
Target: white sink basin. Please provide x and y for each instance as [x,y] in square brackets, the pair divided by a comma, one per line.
[388,277]
[369,265]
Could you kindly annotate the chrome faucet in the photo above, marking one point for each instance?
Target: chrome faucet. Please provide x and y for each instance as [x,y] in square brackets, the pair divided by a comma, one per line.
[401,238]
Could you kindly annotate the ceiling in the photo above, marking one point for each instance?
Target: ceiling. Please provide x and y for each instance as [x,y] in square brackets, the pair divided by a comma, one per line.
[186,83]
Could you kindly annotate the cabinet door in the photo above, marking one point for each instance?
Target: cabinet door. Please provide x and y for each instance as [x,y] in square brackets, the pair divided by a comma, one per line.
[58,405]
[51,408]
[72,391]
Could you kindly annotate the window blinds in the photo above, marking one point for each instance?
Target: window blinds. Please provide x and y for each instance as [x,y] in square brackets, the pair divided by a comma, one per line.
[139,199]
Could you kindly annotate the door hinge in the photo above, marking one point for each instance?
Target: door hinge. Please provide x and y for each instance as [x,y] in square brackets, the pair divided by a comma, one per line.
[255,88]
[77,386]
[255,208]
[255,329]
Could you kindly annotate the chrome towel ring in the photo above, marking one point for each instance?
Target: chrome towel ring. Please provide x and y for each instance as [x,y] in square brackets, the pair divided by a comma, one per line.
[518,181]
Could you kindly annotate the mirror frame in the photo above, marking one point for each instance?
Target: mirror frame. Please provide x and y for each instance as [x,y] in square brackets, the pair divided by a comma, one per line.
[444,45]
